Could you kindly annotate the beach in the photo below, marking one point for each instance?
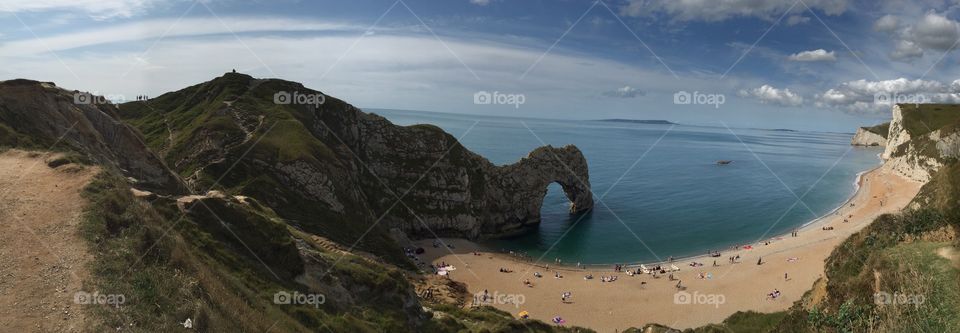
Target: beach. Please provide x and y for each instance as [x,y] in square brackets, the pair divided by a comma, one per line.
[790,264]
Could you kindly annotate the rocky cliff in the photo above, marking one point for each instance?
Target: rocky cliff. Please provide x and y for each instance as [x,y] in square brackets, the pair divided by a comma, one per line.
[42,116]
[336,171]
[922,138]
[866,137]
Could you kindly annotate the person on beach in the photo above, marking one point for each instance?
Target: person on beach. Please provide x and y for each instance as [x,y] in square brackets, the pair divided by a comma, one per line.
[785,277]
[759,261]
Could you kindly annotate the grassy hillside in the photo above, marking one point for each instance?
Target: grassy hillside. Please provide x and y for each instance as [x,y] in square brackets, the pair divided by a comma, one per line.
[228,134]
[172,267]
[881,130]
[920,119]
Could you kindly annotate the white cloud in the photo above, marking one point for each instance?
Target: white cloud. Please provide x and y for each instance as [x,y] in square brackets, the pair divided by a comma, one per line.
[887,23]
[770,95]
[97,9]
[931,32]
[713,10]
[480,2]
[814,55]
[624,92]
[167,28]
[878,96]
[797,19]
[935,32]
[906,50]
[420,73]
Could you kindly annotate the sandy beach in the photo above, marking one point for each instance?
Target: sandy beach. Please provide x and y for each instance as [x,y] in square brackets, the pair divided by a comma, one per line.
[632,301]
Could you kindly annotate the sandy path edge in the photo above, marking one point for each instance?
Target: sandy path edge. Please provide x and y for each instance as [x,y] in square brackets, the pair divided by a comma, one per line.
[43,257]
[634,301]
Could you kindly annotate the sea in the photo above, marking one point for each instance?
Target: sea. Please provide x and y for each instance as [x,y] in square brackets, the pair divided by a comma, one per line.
[658,189]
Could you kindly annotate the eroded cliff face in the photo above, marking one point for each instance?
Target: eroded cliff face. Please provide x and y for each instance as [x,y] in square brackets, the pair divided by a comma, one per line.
[54,118]
[863,137]
[334,170]
[447,190]
[918,156]
[897,134]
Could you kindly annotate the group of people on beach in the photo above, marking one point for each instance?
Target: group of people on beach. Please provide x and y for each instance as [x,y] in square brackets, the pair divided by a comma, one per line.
[774,294]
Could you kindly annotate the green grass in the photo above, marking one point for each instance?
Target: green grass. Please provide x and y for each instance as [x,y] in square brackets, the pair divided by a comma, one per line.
[942,192]
[920,119]
[171,267]
[744,322]
[916,269]
[882,129]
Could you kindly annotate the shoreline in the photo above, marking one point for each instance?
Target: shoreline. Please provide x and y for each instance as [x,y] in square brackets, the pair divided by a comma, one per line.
[857,184]
[790,264]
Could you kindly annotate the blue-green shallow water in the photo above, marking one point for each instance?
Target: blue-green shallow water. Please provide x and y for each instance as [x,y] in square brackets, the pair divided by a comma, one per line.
[675,201]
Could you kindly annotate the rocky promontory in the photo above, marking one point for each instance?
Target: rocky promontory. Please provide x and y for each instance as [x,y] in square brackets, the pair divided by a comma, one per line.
[870,136]
[333,170]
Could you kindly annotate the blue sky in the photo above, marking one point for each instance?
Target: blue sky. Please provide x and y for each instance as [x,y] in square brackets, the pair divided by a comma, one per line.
[812,64]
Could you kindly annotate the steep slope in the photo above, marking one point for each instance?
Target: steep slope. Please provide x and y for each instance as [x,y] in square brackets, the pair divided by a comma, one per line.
[333,170]
[922,138]
[221,259]
[43,116]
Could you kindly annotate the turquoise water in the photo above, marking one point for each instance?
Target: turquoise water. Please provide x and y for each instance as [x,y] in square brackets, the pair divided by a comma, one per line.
[675,201]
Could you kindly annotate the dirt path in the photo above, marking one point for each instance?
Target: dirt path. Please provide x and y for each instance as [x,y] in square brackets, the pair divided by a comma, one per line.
[43,258]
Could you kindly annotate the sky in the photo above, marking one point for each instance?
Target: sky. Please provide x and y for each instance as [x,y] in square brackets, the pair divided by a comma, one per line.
[826,65]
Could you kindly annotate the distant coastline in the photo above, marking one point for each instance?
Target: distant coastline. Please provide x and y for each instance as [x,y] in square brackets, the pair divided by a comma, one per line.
[640,121]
